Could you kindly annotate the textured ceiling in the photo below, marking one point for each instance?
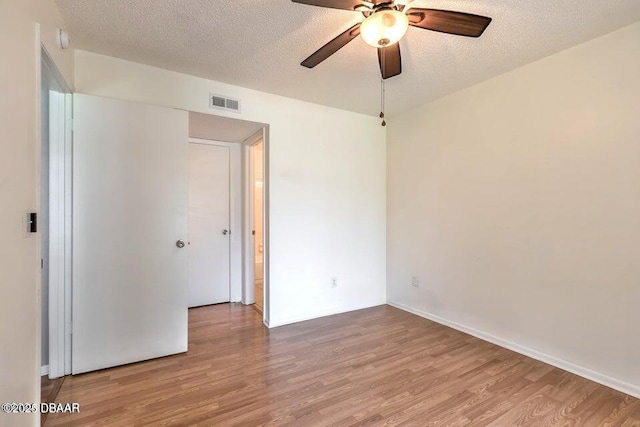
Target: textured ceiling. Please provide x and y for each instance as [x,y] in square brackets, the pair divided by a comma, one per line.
[259,44]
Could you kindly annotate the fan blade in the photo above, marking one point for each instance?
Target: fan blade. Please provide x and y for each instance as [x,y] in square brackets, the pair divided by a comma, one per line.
[333,4]
[389,60]
[447,21]
[332,47]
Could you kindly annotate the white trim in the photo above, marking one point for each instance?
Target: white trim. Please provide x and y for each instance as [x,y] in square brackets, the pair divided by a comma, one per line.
[60,217]
[255,138]
[58,78]
[212,142]
[235,214]
[44,370]
[266,229]
[249,256]
[39,50]
[68,231]
[320,314]
[60,220]
[587,373]
[248,188]
[56,234]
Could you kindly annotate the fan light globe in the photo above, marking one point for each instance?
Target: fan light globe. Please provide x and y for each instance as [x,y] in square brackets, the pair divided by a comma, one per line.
[384,28]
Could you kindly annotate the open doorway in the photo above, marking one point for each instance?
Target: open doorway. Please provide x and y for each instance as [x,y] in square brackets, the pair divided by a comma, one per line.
[147,200]
[256,161]
[227,238]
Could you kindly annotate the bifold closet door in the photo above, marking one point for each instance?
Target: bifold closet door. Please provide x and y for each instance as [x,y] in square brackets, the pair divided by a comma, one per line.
[130,199]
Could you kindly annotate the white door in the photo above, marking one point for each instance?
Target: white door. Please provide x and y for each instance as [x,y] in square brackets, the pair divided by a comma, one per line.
[209,233]
[130,195]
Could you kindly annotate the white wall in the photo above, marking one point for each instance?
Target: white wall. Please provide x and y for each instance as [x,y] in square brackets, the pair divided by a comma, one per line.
[19,156]
[517,204]
[326,177]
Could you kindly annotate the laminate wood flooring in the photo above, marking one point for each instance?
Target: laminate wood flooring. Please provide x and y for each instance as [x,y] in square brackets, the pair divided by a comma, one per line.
[48,392]
[380,366]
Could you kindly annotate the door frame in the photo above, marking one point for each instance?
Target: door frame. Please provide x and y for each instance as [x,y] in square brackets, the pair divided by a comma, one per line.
[235,214]
[60,222]
[249,263]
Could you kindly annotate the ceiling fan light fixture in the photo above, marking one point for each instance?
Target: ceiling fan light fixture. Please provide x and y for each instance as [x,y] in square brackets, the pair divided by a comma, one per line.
[384,28]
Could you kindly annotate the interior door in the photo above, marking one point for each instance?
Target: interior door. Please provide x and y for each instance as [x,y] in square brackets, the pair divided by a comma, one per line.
[209,233]
[130,196]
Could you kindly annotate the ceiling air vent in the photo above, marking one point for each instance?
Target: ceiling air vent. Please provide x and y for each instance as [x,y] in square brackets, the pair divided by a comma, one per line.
[224,103]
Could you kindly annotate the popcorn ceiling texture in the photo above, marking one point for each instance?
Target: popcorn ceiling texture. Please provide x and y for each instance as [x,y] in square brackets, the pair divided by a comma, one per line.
[259,44]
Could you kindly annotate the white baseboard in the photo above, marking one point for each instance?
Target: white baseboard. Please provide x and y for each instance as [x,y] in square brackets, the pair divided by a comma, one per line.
[606,380]
[317,315]
[44,370]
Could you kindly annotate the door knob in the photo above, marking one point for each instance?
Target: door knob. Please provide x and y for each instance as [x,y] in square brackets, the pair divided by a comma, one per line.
[225,232]
[180,244]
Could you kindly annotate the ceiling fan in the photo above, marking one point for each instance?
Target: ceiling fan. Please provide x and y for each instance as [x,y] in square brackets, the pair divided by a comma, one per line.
[385,24]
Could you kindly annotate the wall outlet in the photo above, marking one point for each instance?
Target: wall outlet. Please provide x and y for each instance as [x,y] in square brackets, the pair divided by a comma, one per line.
[334,282]
[415,281]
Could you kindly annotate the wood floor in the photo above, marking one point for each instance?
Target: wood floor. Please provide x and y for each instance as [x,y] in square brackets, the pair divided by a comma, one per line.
[48,392]
[258,293]
[379,366]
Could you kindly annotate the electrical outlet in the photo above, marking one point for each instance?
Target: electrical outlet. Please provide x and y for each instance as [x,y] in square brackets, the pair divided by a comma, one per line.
[334,282]
[415,281]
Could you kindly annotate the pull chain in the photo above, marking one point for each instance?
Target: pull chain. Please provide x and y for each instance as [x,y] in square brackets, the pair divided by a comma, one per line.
[384,123]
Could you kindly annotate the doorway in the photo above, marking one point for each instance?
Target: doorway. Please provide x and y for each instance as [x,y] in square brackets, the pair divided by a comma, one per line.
[256,157]
[226,268]
[132,177]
